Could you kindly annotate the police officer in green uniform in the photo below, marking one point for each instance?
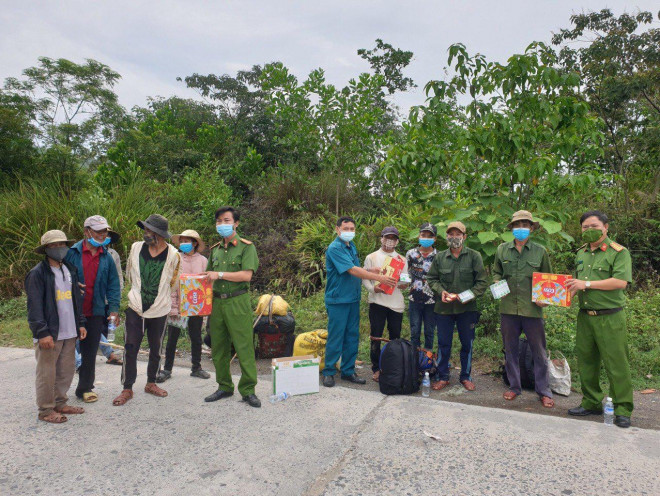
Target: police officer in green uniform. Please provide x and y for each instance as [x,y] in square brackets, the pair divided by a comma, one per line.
[231,265]
[603,270]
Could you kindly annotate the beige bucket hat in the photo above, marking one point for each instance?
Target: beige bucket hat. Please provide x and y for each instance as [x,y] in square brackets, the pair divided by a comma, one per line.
[54,236]
[523,215]
[190,233]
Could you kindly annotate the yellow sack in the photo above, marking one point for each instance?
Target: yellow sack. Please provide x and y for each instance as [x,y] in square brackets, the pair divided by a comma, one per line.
[312,343]
[280,307]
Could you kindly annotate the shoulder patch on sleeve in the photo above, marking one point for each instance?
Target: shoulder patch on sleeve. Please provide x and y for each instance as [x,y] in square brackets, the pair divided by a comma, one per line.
[243,240]
[616,246]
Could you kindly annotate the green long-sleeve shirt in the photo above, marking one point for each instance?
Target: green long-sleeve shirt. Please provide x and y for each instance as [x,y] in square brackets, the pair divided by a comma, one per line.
[517,268]
[455,275]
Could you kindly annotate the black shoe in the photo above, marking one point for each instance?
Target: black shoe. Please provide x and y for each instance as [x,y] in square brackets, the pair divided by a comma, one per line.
[578,411]
[622,421]
[218,395]
[252,400]
[353,378]
[202,374]
[163,375]
[329,380]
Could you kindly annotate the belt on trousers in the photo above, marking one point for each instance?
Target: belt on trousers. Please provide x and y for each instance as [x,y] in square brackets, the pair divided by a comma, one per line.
[606,311]
[224,296]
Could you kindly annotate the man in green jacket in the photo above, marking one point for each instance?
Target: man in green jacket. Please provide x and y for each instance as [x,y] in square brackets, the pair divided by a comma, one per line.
[458,277]
[515,262]
[603,270]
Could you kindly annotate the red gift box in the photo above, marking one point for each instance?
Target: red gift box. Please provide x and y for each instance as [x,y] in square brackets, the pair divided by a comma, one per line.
[393,268]
[196,295]
[551,289]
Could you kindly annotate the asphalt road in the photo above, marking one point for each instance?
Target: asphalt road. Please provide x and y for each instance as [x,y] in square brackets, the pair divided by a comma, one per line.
[341,441]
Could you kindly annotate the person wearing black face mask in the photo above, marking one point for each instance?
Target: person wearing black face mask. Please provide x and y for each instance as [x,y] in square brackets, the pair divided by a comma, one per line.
[54,305]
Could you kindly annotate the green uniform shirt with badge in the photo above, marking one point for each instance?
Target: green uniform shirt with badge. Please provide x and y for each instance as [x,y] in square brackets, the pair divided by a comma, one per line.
[232,258]
[610,259]
[455,275]
[516,268]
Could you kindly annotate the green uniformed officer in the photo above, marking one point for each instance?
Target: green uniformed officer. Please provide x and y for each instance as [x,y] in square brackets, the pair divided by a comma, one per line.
[603,270]
[231,265]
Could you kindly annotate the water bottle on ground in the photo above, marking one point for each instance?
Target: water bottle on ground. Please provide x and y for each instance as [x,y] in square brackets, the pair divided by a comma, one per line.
[426,385]
[608,412]
[276,398]
[112,327]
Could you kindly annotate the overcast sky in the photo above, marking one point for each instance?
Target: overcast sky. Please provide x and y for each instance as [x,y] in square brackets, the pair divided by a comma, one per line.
[150,43]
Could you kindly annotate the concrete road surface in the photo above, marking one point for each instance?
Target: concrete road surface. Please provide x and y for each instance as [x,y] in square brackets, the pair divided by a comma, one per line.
[342,441]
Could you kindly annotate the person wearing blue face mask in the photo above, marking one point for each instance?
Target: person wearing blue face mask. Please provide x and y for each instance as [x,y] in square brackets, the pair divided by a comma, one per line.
[515,262]
[192,262]
[100,282]
[421,300]
[342,302]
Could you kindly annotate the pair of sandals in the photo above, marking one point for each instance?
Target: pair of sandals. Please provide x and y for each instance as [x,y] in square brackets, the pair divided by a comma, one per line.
[127,394]
[545,401]
[57,415]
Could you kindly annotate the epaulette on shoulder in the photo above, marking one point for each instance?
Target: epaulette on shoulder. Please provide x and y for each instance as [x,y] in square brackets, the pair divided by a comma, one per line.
[215,245]
[247,242]
[583,246]
[616,246]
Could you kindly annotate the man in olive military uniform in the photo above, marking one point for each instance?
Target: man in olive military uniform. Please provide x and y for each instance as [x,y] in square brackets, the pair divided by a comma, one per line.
[515,262]
[454,271]
[232,263]
[603,270]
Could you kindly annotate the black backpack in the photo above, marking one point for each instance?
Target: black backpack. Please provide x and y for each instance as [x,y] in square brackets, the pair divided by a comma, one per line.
[526,362]
[399,372]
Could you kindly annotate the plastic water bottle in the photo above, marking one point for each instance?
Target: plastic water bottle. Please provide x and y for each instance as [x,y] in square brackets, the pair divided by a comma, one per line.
[426,385]
[112,327]
[276,398]
[608,412]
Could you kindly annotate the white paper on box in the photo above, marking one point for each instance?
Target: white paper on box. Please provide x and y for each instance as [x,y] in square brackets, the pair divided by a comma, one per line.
[500,289]
[296,375]
[466,296]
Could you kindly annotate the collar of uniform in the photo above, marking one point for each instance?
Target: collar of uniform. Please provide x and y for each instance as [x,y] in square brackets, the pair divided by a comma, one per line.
[448,253]
[603,246]
[232,241]
[512,245]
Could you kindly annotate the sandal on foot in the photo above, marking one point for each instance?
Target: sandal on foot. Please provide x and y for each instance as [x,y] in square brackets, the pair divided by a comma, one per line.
[547,402]
[376,376]
[469,385]
[53,418]
[151,388]
[438,385]
[126,394]
[163,375]
[69,410]
[510,395]
[113,360]
[90,397]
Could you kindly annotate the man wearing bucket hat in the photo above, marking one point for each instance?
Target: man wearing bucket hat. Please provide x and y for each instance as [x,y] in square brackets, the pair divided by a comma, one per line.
[98,274]
[54,307]
[515,262]
[458,270]
[192,262]
[152,270]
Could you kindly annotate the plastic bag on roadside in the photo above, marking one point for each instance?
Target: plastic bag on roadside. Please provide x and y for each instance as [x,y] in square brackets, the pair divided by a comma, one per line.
[560,374]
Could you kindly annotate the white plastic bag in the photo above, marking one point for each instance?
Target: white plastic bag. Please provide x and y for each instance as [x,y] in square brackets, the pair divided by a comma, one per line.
[560,374]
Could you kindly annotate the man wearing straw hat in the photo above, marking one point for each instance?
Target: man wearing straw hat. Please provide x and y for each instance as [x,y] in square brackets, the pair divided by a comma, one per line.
[54,306]
[98,274]
[192,262]
[152,270]
[515,262]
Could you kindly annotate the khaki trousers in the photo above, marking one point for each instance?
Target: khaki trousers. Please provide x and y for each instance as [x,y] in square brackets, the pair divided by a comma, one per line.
[55,370]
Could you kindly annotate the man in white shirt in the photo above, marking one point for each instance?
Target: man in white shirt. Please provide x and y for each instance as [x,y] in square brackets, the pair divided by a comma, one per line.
[384,308]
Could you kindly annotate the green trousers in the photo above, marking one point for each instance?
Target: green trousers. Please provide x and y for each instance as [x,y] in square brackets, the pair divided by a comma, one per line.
[604,337]
[231,322]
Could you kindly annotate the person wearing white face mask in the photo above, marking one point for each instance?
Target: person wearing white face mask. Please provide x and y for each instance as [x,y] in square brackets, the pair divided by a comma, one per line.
[342,302]
[384,308]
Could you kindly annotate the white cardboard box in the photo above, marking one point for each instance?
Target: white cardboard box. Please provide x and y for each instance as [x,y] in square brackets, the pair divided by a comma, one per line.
[296,375]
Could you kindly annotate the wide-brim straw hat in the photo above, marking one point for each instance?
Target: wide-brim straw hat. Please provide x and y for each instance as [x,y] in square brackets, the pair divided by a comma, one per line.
[523,215]
[156,223]
[189,233]
[54,236]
